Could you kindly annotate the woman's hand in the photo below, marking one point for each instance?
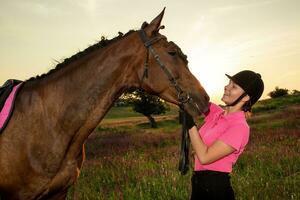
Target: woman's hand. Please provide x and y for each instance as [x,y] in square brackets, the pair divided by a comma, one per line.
[190,123]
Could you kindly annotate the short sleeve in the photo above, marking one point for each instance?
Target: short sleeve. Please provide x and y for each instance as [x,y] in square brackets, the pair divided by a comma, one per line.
[236,136]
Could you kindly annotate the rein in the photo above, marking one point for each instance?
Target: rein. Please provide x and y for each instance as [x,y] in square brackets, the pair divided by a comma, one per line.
[183,97]
[183,165]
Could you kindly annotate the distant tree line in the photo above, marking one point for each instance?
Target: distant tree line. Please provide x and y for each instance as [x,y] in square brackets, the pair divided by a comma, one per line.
[279,92]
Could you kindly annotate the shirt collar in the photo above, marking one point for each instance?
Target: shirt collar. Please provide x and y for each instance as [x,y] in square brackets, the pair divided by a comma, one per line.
[234,115]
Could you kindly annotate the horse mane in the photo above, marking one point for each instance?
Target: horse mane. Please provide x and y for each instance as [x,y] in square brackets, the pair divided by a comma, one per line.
[102,43]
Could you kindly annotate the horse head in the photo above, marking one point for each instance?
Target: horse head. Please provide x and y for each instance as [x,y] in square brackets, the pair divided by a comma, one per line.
[165,72]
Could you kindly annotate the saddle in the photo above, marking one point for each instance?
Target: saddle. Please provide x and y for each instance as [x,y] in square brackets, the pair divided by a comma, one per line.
[8,92]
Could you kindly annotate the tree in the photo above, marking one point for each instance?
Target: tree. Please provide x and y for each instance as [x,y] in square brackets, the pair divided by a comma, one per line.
[147,105]
[123,101]
[278,92]
[295,92]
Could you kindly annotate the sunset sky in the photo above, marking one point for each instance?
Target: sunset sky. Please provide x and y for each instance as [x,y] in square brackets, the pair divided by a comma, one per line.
[219,37]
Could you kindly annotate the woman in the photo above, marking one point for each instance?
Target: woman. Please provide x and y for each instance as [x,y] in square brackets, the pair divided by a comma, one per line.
[223,137]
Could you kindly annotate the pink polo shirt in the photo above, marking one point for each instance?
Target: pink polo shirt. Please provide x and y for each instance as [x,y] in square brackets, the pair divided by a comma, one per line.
[231,129]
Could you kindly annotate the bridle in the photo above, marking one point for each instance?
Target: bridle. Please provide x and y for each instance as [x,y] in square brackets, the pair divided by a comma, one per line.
[183,97]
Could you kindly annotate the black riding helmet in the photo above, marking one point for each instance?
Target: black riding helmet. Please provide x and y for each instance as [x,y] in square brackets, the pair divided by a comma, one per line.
[251,83]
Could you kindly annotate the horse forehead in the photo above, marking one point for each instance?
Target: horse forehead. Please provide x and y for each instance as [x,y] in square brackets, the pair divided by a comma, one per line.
[168,44]
[171,43]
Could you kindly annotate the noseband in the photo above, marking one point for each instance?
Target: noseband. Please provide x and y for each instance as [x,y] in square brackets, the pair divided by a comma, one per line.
[183,97]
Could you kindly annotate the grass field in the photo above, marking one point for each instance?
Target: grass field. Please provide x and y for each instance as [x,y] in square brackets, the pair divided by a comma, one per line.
[136,162]
[127,112]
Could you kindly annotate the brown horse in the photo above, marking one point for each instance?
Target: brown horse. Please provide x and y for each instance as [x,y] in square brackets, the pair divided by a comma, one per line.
[42,148]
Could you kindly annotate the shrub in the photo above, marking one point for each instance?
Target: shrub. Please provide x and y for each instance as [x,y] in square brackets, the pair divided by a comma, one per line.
[278,92]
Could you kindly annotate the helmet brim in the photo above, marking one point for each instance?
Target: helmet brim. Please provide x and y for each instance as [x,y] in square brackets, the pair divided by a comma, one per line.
[231,78]
[236,81]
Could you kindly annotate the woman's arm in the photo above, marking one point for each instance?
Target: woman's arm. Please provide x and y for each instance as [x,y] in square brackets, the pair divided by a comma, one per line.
[205,154]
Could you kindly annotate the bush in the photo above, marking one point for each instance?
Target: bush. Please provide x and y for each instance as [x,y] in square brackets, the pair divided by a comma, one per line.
[295,92]
[278,92]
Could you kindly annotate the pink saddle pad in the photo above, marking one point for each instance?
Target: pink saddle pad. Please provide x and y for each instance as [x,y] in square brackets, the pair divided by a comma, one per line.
[8,107]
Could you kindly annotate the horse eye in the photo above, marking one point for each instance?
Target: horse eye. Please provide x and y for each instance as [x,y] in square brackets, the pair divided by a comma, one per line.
[172,53]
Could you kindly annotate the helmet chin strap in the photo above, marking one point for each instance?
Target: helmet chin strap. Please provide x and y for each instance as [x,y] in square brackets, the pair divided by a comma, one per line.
[238,100]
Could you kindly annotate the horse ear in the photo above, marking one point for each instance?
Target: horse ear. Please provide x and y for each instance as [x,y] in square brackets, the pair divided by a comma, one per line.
[154,26]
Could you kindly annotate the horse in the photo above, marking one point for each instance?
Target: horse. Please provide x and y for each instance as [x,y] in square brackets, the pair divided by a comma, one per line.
[42,147]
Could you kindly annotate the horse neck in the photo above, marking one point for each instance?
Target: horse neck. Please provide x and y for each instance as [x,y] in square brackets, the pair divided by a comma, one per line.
[80,94]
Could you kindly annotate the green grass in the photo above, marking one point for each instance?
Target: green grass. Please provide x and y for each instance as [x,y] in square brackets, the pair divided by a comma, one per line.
[276,103]
[125,112]
[136,162]
[133,176]
[121,112]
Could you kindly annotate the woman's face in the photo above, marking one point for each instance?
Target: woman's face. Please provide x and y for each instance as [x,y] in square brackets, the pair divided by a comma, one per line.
[232,91]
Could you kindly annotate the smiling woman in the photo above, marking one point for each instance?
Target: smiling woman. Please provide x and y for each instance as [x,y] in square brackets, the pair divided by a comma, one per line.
[223,137]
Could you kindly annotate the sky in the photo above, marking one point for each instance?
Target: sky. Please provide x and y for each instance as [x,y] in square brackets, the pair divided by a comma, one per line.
[218,36]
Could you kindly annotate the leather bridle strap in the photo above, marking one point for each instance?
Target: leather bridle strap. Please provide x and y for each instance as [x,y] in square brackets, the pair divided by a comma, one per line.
[148,42]
[183,97]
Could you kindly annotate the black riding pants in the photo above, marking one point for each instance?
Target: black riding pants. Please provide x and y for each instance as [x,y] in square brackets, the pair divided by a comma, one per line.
[211,185]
